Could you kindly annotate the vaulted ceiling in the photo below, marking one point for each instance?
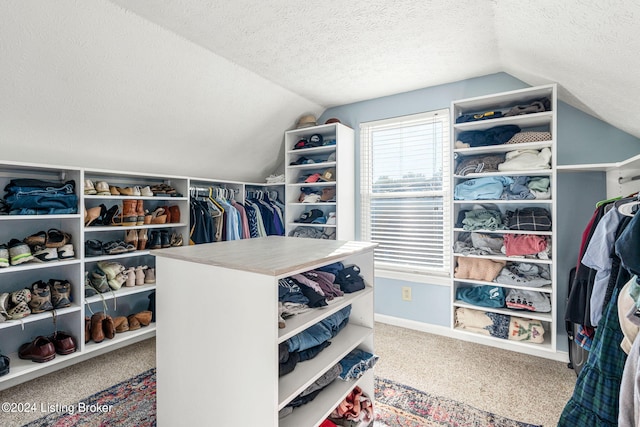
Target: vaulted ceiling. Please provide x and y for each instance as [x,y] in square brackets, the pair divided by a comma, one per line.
[337,52]
[206,88]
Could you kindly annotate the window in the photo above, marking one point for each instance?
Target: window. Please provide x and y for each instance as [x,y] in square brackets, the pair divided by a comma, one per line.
[405,188]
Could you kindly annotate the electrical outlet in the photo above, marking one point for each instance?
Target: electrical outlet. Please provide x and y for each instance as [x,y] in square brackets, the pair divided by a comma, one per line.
[406,293]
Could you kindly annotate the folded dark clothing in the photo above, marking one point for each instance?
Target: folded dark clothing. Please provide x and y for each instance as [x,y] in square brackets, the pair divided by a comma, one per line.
[530,219]
[315,299]
[494,136]
[288,366]
[312,352]
[464,118]
[38,183]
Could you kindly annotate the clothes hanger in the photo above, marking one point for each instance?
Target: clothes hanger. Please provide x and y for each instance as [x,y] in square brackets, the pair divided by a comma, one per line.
[629,208]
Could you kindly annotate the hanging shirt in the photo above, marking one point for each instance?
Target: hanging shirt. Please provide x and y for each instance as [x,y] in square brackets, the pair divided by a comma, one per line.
[598,257]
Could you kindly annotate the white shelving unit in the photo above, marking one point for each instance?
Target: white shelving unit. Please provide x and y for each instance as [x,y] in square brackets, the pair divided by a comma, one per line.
[125,301]
[344,164]
[237,338]
[14,333]
[540,121]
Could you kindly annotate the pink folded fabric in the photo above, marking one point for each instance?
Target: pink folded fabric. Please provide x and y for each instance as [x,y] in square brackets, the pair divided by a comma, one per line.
[524,244]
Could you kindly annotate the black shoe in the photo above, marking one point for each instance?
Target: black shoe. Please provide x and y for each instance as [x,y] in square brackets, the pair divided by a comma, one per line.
[4,365]
[165,242]
[154,240]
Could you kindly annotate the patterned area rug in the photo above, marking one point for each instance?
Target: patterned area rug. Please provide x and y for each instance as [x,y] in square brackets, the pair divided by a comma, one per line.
[398,405]
[131,403]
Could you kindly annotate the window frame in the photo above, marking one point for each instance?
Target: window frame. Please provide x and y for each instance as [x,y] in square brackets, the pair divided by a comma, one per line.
[436,276]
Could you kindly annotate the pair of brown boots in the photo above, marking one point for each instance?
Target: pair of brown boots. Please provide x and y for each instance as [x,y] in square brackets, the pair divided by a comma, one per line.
[101,325]
[98,327]
[133,212]
[133,321]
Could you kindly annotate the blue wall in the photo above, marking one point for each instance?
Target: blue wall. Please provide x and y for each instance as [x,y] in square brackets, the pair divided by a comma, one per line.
[581,139]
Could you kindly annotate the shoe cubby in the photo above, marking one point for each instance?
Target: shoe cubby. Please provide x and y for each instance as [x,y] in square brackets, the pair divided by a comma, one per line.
[157,197]
[319,175]
[139,213]
[41,237]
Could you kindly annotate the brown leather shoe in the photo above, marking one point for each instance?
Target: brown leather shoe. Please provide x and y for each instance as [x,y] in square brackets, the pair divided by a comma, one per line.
[63,343]
[143,237]
[133,322]
[87,329]
[129,212]
[97,333]
[140,212]
[39,350]
[168,213]
[175,213]
[108,327]
[121,323]
[144,317]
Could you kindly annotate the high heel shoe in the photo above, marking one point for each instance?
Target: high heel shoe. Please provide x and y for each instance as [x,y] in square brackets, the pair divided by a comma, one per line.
[140,274]
[92,215]
[131,236]
[131,277]
[176,239]
[142,239]
[158,216]
[112,217]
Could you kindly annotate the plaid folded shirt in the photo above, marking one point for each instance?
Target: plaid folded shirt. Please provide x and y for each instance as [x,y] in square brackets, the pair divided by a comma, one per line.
[530,219]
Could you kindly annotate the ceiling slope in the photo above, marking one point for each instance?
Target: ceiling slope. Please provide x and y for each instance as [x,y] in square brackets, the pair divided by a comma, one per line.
[337,52]
[90,84]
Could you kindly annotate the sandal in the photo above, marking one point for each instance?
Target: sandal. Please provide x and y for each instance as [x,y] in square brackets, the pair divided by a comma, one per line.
[93,247]
[176,239]
[38,239]
[57,238]
[114,248]
[158,216]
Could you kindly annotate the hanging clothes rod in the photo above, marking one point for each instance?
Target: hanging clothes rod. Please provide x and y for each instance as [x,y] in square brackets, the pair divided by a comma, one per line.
[622,180]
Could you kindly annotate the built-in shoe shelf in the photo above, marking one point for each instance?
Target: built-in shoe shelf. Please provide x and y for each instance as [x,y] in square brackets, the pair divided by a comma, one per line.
[124,301]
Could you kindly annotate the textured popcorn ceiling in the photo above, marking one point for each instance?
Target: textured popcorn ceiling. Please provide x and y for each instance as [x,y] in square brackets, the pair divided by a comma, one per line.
[336,52]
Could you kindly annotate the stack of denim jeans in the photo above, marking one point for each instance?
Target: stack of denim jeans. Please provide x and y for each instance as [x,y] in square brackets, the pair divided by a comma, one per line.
[29,196]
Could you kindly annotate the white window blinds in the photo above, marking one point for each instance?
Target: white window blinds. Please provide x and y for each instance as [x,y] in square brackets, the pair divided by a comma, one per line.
[405,188]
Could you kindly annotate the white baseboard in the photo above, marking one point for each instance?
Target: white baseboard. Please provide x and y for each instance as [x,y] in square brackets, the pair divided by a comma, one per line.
[413,324]
[560,356]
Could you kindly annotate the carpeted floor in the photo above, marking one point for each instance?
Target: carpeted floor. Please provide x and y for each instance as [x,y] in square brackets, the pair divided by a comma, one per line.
[132,403]
[514,385]
[501,383]
[397,405]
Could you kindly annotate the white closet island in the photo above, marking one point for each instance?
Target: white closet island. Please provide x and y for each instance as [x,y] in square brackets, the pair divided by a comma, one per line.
[218,336]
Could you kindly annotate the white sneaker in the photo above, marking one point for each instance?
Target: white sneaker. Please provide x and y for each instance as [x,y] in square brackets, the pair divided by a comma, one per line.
[46,255]
[66,251]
